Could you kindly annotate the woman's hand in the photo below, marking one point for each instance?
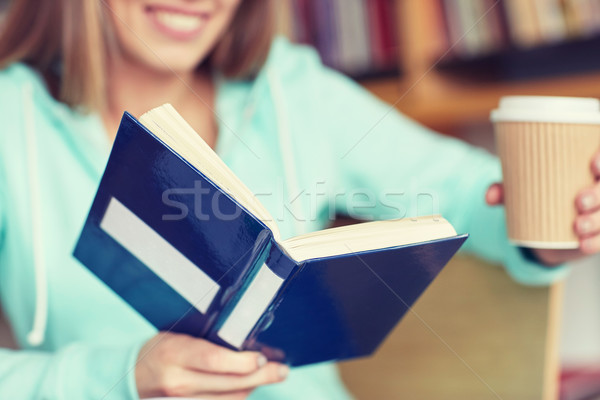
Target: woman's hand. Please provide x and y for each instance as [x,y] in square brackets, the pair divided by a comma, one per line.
[586,225]
[177,365]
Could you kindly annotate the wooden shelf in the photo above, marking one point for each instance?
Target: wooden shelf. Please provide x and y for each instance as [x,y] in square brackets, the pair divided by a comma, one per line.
[569,57]
[439,102]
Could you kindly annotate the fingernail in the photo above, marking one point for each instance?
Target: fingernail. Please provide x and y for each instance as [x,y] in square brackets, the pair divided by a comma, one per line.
[261,361]
[587,201]
[585,226]
[283,371]
[586,245]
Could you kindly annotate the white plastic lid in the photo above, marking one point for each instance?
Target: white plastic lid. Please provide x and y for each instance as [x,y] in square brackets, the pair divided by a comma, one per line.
[573,110]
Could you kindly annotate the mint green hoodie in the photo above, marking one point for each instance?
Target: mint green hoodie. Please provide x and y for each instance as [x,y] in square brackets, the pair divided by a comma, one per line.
[305,139]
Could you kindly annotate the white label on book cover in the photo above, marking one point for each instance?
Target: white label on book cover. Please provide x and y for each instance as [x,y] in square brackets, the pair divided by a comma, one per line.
[175,269]
[250,307]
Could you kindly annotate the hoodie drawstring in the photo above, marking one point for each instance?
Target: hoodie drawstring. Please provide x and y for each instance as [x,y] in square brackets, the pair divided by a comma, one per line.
[38,330]
[286,147]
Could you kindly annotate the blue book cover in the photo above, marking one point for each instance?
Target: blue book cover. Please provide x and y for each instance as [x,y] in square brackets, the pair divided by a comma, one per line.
[192,259]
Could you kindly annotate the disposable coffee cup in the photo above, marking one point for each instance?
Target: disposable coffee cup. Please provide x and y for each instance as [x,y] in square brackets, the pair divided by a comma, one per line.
[545,146]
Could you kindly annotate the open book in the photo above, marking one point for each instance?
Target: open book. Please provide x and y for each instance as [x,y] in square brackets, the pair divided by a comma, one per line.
[178,236]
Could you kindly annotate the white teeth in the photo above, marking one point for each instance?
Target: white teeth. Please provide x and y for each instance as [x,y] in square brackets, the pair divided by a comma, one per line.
[179,22]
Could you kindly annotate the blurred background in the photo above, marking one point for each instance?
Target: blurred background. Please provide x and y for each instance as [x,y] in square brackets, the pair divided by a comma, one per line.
[446,63]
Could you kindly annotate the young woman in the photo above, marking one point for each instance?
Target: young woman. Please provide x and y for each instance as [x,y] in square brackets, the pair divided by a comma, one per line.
[278,118]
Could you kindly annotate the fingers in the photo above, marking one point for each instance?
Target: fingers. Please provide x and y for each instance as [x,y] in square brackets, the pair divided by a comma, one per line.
[242,395]
[587,223]
[204,356]
[202,382]
[270,373]
[590,245]
[178,365]
[495,194]
[596,165]
[178,382]
[588,199]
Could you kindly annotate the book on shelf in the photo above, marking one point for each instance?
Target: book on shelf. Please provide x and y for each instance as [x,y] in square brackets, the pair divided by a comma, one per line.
[479,27]
[357,37]
[179,237]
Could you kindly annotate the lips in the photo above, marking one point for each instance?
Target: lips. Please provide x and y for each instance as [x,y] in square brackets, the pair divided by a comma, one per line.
[177,24]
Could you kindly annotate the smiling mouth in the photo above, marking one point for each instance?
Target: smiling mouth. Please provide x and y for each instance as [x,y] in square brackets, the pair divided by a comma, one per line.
[177,24]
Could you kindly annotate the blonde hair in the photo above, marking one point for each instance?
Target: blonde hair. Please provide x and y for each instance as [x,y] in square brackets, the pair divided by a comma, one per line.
[64,41]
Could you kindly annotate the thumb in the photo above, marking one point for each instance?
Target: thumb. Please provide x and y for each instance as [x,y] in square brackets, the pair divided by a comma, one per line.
[495,194]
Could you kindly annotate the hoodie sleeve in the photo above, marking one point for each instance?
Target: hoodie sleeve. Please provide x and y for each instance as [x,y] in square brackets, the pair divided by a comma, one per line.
[434,174]
[405,168]
[2,212]
[77,371]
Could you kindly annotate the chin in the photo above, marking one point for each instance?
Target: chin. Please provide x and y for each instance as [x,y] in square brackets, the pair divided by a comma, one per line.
[179,62]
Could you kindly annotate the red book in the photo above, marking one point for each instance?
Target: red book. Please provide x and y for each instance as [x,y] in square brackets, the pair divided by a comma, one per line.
[376,34]
[386,22]
[303,24]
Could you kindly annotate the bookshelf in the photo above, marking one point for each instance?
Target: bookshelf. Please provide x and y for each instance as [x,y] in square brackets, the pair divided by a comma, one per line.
[447,89]
[442,100]
[356,37]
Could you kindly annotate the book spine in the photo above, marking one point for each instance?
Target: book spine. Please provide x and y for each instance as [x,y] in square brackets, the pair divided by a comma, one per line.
[284,264]
[453,27]
[247,307]
[499,24]
[375,31]
[325,33]
[285,15]
[551,19]
[481,20]
[232,294]
[280,262]
[385,21]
